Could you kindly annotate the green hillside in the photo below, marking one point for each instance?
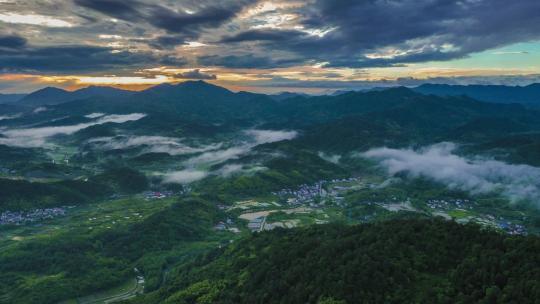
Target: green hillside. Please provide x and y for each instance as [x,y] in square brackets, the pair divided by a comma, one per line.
[23,194]
[407,261]
[75,262]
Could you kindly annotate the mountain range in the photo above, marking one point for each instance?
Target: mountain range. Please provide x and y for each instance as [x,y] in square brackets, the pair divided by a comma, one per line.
[52,96]
[401,111]
[394,117]
[527,95]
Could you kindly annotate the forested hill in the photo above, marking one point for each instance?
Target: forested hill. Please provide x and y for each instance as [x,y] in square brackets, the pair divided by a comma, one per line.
[402,261]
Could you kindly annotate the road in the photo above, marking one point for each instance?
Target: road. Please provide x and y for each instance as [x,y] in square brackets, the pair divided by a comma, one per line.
[107,297]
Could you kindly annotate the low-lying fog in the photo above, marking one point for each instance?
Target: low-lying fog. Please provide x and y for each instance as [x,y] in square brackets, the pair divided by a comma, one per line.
[151,144]
[476,175]
[36,137]
[193,171]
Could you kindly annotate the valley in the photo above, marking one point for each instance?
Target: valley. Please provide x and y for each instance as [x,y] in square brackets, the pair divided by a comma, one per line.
[94,188]
[269,152]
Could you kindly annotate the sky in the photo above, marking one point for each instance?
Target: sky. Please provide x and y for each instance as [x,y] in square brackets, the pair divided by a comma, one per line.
[313,46]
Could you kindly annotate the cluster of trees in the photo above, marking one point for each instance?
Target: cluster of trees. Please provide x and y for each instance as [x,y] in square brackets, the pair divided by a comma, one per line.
[400,261]
[123,180]
[22,194]
[15,155]
[517,148]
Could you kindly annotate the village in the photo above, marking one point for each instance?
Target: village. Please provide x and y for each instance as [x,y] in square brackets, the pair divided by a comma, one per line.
[450,204]
[152,195]
[511,228]
[307,199]
[36,215]
[309,204]
[228,224]
[162,194]
[315,195]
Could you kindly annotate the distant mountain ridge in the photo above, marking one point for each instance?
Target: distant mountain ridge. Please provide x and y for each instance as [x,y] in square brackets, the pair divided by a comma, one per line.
[528,95]
[54,96]
[10,98]
[287,95]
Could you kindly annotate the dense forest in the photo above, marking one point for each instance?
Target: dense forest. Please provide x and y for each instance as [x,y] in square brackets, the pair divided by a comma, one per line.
[400,261]
[24,195]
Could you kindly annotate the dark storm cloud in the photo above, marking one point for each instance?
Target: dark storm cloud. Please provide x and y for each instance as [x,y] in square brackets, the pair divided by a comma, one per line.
[335,33]
[195,74]
[263,35]
[247,61]
[12,42]
[417,30]
[72,58]
[205,14]
[87,18]
[233,61]
[164,42]
[125,10]
[172,21]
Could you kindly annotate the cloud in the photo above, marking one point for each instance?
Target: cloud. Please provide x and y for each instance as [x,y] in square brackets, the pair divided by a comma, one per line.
[246,61]
[263,35]
[511,53]
[184,177]
[230,169]
[94,115]
[190,20]
[255,138]
[72,58]
[426,30]
[218,156]
[254,34]
[195,74]
[475,175]
[115,8]
[333,158]
[191,175]
[34,19]
[233,169]
[8,117]
[270,136]
[234,61]
[152,144]
[39,110]
[36,137]
[167,41]
[12,41]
